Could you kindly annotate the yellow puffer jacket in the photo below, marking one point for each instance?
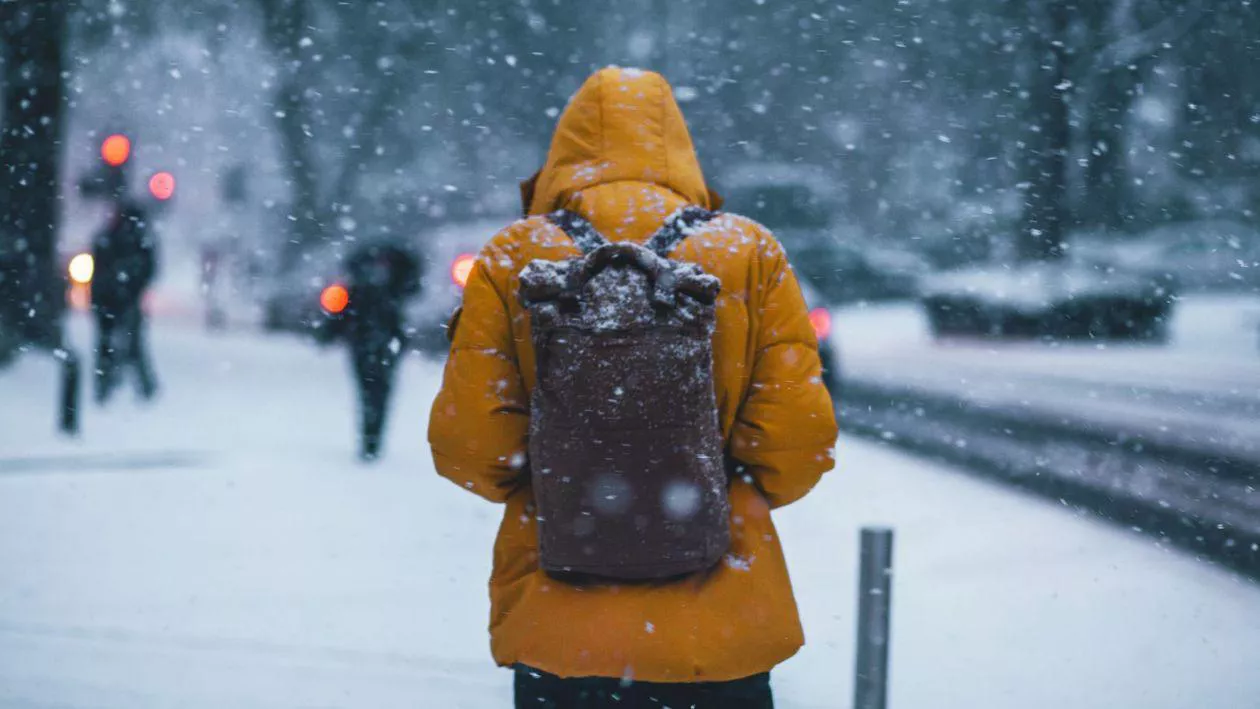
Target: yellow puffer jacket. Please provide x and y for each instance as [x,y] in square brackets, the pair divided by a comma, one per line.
[622,157]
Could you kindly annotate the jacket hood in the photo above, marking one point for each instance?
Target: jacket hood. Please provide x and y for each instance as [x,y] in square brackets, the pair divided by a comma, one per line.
[623,125]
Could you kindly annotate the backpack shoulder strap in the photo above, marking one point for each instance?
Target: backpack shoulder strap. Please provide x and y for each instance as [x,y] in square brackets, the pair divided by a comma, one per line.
[678,227]
[578,229]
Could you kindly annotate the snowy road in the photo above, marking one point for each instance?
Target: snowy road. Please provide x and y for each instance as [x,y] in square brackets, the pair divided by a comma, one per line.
[223,549]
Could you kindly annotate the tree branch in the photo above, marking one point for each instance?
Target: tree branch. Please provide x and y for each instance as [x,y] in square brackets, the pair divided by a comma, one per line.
[1129,48]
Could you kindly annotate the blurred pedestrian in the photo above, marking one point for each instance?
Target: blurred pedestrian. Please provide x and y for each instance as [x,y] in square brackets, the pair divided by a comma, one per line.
[213,285]
[605,592]
[381,278]
[124,254]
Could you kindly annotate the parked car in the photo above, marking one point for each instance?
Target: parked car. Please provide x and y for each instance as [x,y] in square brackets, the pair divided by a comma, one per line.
[449,253]
[820,318]
[1060,299]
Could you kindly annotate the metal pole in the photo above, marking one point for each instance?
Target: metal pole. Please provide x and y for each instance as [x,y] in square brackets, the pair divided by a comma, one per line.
[69,391]
[870,686]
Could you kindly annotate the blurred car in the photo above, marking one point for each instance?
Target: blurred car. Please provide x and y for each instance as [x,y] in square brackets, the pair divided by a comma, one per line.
[1069,298]
[449,253]
[798,203]
[1204,255]
[954,249]
[845,273]
[887,273]
[820,318]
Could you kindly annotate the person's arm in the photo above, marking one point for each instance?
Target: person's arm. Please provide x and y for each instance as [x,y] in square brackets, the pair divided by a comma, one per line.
[330,327]
[786,431]
[146,238]
[479,423]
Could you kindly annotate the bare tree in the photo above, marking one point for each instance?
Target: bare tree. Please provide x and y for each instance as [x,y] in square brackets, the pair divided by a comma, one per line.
[347,71]
[286,24]
[1127,36]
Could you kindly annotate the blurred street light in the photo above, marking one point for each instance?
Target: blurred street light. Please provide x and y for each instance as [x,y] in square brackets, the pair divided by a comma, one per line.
[82,268]
[162,185]
[462,268]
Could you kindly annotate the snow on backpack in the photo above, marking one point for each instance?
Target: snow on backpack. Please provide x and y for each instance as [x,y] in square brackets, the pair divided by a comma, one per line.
[626,454]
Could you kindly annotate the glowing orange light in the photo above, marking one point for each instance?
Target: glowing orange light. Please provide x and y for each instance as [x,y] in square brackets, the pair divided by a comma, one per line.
[162,185]
[462,268]
[116,149]
[334,299]
[820,318]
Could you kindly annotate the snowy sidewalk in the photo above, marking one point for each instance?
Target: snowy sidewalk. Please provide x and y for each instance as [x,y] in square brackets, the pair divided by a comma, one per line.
[222,548]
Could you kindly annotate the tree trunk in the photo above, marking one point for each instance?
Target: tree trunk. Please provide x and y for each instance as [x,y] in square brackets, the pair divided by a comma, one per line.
[1105,203]
[31,289]
[1047,135]
[285,27]
[306,223]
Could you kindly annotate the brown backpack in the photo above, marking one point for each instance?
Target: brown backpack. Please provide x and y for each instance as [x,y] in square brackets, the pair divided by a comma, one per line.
[626,454]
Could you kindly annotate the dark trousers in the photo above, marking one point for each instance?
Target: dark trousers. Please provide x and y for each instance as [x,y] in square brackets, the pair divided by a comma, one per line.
[374,364]
[121,344]
[538,690]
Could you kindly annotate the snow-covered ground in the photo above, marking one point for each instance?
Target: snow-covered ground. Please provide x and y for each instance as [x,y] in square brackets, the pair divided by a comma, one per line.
[223,549]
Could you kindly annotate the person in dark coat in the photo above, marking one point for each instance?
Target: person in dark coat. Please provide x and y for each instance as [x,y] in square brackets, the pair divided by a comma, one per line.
[380,280]
[124,253]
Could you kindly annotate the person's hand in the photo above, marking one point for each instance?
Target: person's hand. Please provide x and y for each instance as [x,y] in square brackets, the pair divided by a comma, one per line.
[326,333]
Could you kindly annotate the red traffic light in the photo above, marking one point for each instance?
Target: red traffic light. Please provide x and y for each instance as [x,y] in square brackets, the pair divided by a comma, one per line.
[162,185]
[116,149]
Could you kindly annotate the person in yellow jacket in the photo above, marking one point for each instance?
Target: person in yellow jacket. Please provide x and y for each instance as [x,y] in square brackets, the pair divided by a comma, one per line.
[622,158]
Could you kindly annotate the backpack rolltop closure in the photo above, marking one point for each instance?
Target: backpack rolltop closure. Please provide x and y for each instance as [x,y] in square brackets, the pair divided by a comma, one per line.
[561,282]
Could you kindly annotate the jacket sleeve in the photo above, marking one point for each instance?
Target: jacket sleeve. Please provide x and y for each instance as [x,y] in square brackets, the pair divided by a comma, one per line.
[480,419]
[785,431]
